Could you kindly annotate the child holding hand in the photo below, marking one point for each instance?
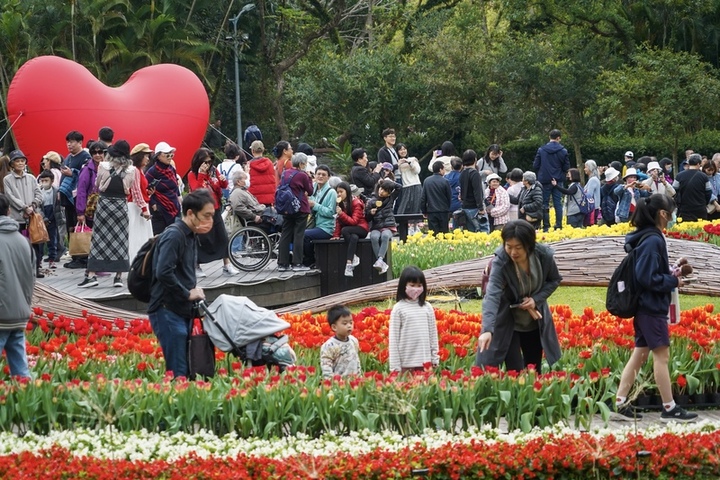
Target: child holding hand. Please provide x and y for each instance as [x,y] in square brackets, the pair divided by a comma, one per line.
[339,355]
[413,335]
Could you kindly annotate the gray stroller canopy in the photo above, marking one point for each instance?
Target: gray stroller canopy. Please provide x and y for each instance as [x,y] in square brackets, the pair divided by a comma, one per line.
[242,320]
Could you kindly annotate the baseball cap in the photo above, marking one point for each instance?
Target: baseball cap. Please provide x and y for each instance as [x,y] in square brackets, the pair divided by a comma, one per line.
[629,154]
[15,154]
[163,147]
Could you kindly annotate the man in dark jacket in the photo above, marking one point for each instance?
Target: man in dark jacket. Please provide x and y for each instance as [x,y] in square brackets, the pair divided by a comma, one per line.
[552,163]
[693,191]
[174,286]
[360,175]
[16,283]
[472,194]
[435,199]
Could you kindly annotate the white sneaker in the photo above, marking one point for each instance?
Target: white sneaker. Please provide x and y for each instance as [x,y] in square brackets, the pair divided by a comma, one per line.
[383,268]
[229,270]
[348,270]
[378,264]
[355,261]
[199,273]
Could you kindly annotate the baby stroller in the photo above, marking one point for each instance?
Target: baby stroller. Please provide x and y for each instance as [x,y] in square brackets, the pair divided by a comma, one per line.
[237,325]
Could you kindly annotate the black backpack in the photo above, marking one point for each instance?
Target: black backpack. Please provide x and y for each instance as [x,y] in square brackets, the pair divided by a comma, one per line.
[140,276]
[286,203]
[623,293]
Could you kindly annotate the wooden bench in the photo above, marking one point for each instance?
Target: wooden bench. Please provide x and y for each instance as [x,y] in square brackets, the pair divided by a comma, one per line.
[330,259]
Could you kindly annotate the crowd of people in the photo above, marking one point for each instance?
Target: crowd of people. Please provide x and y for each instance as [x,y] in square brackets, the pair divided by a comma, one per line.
[126,195]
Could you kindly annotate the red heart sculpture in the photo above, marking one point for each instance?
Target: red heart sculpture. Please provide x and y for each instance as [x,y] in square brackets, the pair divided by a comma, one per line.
[50,96]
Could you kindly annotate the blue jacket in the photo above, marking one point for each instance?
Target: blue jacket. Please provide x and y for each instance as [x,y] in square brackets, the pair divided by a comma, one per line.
[69,184]
[551,161]
[652,271]
[622,211]
[454,179]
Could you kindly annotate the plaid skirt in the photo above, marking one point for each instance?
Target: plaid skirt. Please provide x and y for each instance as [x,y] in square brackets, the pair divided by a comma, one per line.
[110,238]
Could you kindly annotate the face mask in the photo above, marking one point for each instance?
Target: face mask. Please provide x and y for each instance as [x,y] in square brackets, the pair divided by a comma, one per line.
[413,292]
[672,221]
[202,228]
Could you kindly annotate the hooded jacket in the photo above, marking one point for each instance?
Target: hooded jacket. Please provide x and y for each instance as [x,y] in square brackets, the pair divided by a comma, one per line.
[652,271]
[551,161]
[16,276]
[263,180]
[503,291]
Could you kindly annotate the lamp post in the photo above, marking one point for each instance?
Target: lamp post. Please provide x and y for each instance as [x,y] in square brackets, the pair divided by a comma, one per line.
[234,21]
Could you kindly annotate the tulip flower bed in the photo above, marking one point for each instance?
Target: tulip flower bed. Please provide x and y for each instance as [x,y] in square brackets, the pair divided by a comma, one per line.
[100,406]
[681,451]
[428,251]
[93,373]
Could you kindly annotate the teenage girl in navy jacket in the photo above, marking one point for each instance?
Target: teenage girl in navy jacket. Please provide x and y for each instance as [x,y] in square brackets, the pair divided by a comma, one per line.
[656,282]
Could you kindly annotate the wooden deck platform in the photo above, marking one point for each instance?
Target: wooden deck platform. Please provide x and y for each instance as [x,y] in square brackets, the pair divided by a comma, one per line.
[267,287]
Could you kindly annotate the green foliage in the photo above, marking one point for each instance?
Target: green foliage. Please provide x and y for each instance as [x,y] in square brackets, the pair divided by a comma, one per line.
[656,96]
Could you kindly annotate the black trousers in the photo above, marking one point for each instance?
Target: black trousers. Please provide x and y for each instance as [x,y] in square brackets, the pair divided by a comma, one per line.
[351,234]
[438,222]
[525,349]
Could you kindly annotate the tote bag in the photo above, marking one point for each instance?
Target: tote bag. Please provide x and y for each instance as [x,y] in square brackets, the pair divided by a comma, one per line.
[80,240]
[36,229]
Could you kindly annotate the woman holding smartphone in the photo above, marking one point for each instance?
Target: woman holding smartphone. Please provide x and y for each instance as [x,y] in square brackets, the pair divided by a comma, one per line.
[517,325]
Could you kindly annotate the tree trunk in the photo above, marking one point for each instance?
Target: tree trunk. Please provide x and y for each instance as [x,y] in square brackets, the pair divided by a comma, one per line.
[578,159]
[276,102]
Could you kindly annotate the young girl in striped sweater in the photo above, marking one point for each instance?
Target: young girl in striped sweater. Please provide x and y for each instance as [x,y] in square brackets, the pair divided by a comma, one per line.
[413,336]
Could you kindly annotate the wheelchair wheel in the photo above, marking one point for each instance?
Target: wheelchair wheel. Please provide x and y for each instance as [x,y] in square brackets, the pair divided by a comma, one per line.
[249,249]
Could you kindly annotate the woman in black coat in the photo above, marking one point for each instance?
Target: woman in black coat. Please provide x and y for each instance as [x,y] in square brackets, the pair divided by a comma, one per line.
[517,325]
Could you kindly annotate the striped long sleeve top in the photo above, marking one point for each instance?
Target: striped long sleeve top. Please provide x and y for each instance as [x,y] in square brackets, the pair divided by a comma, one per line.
[413,336]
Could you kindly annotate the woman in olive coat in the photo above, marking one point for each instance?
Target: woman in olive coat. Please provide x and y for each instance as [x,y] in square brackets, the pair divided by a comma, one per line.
[517,326]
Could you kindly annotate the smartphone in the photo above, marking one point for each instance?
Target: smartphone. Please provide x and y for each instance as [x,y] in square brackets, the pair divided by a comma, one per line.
[438,153]
[154,183]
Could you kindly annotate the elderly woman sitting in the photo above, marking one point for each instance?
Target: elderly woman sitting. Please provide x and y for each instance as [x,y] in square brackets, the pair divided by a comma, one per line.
[243,203]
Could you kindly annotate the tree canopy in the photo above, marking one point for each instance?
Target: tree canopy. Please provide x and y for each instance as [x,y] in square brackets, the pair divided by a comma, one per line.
[611,74]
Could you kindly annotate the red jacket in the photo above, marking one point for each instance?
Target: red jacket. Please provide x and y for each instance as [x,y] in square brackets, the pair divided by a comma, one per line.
[263,182]
[357,219]
[203,180]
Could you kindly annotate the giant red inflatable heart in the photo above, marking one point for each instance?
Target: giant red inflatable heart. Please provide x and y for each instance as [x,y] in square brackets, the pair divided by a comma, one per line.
[50,96]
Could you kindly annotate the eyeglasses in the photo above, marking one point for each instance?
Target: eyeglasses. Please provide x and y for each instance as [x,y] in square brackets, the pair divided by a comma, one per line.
[168,154]
[97,152]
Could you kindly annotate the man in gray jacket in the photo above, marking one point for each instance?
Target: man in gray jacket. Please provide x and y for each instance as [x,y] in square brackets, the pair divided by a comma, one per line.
[16,284]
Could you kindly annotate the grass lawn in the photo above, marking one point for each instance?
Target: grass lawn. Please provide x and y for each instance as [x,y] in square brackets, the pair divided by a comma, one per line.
[577,297]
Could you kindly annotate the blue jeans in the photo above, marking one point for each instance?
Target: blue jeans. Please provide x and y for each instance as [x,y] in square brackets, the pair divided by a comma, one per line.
[309,246]
[473,223]
[172,332]
[13,342]
[557,197]
[380,240]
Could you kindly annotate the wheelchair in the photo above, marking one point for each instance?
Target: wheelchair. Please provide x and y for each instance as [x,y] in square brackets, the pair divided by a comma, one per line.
[250,247]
